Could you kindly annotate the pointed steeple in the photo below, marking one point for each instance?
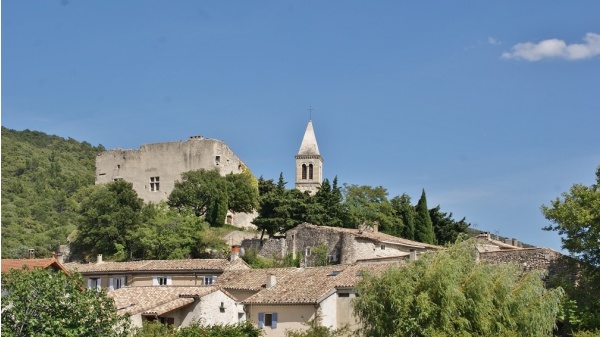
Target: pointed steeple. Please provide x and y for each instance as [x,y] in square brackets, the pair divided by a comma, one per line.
[309,163]
[309,142]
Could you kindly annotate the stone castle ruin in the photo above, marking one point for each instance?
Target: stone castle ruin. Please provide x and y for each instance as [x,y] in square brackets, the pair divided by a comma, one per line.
[154,168]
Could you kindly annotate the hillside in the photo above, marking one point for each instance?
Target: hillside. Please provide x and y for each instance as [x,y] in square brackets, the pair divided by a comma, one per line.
[40,174]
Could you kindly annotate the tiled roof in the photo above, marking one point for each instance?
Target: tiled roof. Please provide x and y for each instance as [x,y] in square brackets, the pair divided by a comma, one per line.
[312,285]
[157,299]
[251,279]
[375,236]
[159,265]
[8,264]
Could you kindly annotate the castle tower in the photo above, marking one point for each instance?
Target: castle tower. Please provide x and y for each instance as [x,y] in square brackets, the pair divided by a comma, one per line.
[309,163]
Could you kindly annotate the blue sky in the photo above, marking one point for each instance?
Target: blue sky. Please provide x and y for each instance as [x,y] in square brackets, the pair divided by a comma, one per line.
[492,107]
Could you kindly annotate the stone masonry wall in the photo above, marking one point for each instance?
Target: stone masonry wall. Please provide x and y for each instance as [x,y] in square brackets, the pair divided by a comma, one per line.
[555,263]
[266,247]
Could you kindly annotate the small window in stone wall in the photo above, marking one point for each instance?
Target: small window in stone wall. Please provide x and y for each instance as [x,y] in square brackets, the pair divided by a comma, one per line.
[217,160]
[154,184]
[382,247]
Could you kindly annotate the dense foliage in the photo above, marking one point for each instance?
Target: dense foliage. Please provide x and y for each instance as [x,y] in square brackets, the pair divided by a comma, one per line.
[47,303]
[40,176]
[155,329]
[448,293]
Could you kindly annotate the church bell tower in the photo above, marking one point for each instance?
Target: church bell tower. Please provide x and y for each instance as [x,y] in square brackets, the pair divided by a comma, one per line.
[309,163]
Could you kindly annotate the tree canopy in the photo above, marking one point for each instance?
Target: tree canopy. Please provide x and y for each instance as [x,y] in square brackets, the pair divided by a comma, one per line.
[109,215]
[576,217]
[448,293]
[211,195]
[46,303]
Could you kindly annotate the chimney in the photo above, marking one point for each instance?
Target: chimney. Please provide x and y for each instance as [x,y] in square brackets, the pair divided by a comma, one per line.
[99,259]
[271,281]
[235,253]
[515,242]
[376,227]
[413,255]
[31,253]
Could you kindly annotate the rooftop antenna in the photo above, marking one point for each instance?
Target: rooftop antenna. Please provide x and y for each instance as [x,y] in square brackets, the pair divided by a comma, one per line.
[310,109]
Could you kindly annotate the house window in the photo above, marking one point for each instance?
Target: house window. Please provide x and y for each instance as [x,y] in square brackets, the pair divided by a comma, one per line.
[115,283]
[209,280]
[344,295]
[162,281]
[167,320]
[269,319]
[154,184]
[382,247]
[310,171]
[333,257]
[94,283]
[303,171]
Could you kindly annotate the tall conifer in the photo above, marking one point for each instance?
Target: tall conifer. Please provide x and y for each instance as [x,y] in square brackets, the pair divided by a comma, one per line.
[423,225]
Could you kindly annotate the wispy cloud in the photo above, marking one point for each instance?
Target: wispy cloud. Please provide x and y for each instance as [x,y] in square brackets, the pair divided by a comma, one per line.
[494,41]
[555,48]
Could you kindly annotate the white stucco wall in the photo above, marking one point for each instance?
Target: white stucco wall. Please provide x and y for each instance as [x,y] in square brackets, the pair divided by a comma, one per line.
[328,311]
[209,312]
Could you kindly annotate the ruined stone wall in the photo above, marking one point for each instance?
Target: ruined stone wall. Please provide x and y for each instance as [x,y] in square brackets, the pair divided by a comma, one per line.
[271,248]
[555,263]
[305,238]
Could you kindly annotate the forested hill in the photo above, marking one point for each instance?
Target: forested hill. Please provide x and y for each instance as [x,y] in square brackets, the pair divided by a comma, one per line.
[40,175]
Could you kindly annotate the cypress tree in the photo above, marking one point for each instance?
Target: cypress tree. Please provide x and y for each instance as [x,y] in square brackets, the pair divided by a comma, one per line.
[423,224]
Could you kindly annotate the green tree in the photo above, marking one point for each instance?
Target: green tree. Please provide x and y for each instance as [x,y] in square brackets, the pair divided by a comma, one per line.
[211,195]
[204,192]
[447,230]
[109,215]
[47,303]
[155,329]
[423,225]
[368,205]
[242,192]
[279,209]
[328,209]
[405,213]
[449,293]
[576,217]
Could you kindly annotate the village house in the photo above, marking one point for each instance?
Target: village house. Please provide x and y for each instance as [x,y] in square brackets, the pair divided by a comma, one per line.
[279,299]
[177,306]
[343,245]
[188,272]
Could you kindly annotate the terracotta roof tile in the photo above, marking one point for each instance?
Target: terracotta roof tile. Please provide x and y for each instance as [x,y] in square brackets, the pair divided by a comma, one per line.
[135,300]
[8,264]
[311,285]
[159,265]
[251,279]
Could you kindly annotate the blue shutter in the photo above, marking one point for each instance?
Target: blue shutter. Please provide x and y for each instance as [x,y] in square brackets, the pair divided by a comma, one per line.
[274,322]
[261,320]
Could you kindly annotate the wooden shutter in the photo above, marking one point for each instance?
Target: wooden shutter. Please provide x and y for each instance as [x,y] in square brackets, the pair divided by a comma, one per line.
[89,283]
[169,281]
[154,280]
[261,320]
[123,281]
[111,284]
[274,320]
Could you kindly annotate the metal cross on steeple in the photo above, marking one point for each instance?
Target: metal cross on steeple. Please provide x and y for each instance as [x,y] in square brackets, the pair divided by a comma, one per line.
[310,109]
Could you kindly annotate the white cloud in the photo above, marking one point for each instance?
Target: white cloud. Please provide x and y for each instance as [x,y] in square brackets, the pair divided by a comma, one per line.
[493,41]
[556,48]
